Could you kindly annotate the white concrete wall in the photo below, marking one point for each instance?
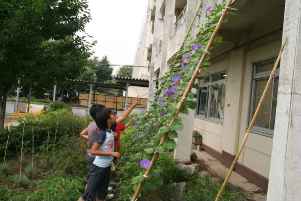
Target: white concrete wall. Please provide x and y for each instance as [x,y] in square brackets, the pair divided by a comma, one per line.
[224,136]
[211,130]
[257,154]
[285,176]
[184,140]
[141,92]
[145,41]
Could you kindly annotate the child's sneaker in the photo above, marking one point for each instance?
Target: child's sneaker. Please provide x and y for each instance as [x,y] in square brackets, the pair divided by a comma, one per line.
[110,196]
[110,188]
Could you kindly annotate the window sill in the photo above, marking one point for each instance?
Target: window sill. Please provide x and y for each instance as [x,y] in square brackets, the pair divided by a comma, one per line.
[263,132]
[211,120]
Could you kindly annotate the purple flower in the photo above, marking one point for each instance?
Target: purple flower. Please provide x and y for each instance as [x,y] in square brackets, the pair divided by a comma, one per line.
[185,60]
[170,91]
[161,101]
[196,47]
[162,113]
[209,9]
[183,65]
[176,79]
[145,164]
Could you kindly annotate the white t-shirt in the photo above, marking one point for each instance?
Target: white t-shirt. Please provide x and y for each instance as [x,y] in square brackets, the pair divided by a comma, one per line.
[106,146]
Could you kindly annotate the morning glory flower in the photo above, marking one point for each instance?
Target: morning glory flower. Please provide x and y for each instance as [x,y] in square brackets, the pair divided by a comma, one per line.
[145,164]
[162,113]
[185,60]
[176,79]
[209,9]
[196,47]
[183,65]
[170,91]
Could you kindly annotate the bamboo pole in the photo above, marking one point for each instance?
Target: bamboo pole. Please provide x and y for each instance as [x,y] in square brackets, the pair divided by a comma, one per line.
[195,74]
[251,125]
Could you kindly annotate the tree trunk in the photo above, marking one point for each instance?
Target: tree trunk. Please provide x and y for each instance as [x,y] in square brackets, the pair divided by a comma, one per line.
[3,98]
[29,100]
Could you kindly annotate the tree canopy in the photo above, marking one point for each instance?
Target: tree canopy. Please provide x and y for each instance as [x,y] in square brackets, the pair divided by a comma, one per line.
[125,71]
[39,42]
[97,70]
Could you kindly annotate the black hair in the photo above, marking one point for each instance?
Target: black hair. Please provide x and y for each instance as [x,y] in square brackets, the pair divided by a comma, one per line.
[96,108]
[114,111]
[102,118]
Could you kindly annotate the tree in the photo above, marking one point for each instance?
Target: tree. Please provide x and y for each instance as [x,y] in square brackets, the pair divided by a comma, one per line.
[36,38]
[125,71]
[103,70]
[99,71]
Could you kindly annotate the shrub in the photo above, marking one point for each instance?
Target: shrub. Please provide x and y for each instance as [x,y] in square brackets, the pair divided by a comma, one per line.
[50,189]
[21,181]
[45,130]
[58,106]
[4,170]
[57,188]
[205,189]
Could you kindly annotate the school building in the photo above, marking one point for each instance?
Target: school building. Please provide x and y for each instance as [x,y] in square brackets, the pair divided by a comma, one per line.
[231,87]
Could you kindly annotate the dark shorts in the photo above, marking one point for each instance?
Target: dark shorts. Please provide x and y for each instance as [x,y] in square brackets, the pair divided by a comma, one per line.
[90,160]
[98,182]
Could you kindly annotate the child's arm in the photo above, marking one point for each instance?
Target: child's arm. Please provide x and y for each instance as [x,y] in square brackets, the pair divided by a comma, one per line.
[84,134]
[95,151]
[126,113]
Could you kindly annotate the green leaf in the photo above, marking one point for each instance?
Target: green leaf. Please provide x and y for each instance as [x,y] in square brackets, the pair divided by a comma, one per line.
[176,126]
[149,150]
[169,145]
[137,179]
[163,130]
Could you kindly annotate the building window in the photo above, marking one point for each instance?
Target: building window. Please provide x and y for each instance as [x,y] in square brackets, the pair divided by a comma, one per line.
[157,75]
[211,96]
[162,11]
[149,53]
[265,121]
[180,8]
[153,16]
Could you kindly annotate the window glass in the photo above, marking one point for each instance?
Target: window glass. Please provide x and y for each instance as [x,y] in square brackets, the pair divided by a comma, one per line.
[264,114]
[217,99]
[211,99]
[203,100]
[265,121]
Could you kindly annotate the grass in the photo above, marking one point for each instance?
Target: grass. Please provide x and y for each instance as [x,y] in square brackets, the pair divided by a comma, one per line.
[204,188]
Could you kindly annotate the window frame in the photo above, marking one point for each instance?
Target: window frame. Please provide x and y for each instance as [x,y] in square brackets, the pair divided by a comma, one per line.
[208,84]
[255,77]
[180,15]
[162,11]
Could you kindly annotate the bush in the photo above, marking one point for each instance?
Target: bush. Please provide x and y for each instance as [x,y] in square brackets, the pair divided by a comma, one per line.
[20,181]
[57,188]
[59,160]
[58,106]
[50,189]
[45,130]
[205,189]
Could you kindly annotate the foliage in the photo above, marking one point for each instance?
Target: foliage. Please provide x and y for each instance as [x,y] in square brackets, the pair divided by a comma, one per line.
[58,166]
[125,71]
[97,70]
[58,106]
[45,130]
[38,43]
[53,188]
[205,189]
[149,128]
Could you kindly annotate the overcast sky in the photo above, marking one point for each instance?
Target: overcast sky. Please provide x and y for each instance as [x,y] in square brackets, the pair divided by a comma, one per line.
[117,26]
